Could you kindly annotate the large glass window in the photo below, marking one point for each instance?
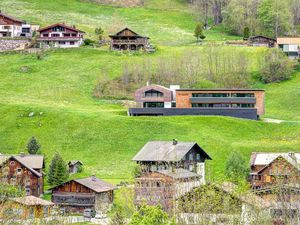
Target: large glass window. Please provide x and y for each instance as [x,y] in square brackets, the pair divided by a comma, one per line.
[153,94]
[217,105]
[216,95]
[243,95]
[58,29]
[153,104]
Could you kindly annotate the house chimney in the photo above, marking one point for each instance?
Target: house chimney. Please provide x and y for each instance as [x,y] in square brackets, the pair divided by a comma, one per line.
[22,154]
[175,142]
[148,83]
[292,155]
[93,177]
[73,26]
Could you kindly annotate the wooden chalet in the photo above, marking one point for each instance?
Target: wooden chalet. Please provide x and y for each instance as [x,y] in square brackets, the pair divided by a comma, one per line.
[164,187]
[290,45]
[166,155]
[127,39]
[87,193]
[9,26]
[262,41]
[74,166]
[268,169]
[60,36]
[25,171]
[23,208]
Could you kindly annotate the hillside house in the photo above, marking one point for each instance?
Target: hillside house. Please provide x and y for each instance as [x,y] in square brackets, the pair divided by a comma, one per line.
[10,26]
[60,36]
[25,171]
[156,100]
[169,155]
[290,45]
[269,169]
[262,41]
[23,208]
[87,193]
[163,187]
[284,200]
[75,166]
[127,39]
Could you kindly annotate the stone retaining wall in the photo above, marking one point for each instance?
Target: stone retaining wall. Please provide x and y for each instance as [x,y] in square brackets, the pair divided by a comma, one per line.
[10,44]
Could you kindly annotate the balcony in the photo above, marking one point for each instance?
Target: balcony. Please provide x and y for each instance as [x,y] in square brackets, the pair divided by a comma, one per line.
[129,42]
[229,100]
[74,199]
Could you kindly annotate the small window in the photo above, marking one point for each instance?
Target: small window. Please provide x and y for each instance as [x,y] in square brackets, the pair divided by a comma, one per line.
[12,163]
[45,35]
[191,157]
[198,156]
[72,43]
[62,42]
[19,171]
[191,167]
[27,190]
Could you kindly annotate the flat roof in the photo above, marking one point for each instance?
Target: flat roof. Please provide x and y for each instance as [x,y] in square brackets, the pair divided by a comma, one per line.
[221,89]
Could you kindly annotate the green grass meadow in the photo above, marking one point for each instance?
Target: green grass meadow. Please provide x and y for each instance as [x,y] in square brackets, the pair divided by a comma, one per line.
[68,119]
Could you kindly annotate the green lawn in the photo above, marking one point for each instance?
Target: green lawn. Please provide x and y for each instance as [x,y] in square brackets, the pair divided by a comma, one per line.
[68,119]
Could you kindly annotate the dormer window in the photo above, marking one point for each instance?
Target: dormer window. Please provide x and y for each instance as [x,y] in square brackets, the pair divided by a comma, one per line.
[58,29]
[153,94]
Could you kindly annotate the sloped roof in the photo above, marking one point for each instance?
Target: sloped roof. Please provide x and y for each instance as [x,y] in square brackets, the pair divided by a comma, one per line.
[62,25]
[178,173]
[73,162]
[95,184]
[126,28]
[32,201]
[261,36]
[265,159]
[166,151]
[11,18]
[31,162]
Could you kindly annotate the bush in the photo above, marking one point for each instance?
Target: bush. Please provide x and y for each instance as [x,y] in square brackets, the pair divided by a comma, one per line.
[276,67]
[235,168]
[88,42]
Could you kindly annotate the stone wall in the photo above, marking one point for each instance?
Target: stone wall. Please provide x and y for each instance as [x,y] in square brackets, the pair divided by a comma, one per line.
[13,44]
[103,201]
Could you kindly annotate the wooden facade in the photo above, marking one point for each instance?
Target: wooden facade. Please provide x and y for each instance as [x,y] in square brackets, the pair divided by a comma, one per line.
[262,41]
[15,172]
[279,171]
[78,195]
[127,39]
[25,208]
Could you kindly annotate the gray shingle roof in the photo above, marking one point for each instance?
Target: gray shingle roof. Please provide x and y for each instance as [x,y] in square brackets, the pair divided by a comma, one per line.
[95,184]
[73,162]
[166,151]
[178,173]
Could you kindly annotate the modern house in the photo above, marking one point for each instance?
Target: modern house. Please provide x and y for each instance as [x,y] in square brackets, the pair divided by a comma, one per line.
[127,39]
[81,194]
[23,208]
[10,26]
[163,187]
[75,166]
[156,100]
[60,36]
[290,45]
[25,171]
[262,41]
[269,169]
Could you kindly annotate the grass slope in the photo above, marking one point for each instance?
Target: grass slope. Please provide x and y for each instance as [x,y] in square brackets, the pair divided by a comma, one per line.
[69,120]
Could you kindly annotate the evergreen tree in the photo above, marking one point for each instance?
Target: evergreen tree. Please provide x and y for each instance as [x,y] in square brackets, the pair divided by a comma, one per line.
[246,33]
[58,172]
[198,33]
[99,31]
[33,146]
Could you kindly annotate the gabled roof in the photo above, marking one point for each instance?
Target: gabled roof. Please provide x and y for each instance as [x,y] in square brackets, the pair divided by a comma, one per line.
[118,33]
[11,18]
[261,36]
[73,162]
[92,183]
[32,201]
[31,162]
[166,151]
[178,173]
[265,159]
[62,25]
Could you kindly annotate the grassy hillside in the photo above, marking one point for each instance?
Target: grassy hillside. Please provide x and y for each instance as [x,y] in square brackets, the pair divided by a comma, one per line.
[68,119]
